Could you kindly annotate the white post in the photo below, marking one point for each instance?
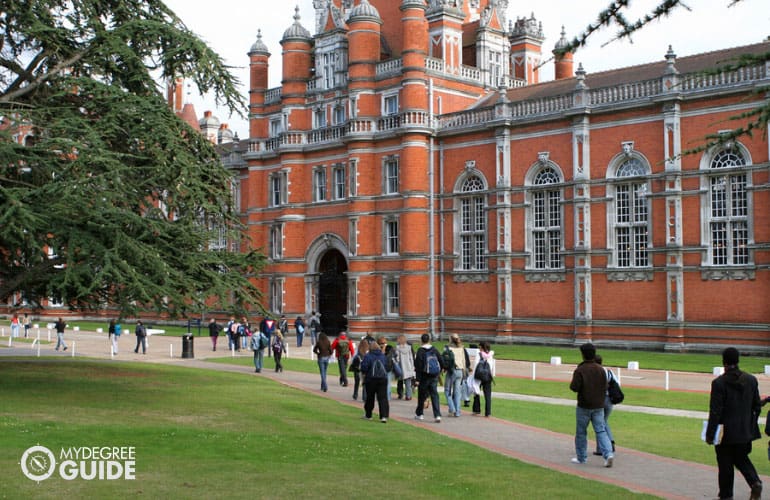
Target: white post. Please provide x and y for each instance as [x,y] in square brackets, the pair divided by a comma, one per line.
[33,344]
[73,349]
[2,331]
[286,344]
[619,381]
[112,351]
[49,335]
[534,371]
[666,379]
[10,340]
[38,349]
[232,351]
[171,350]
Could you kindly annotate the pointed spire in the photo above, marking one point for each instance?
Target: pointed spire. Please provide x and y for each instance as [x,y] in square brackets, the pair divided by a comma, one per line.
[296,30]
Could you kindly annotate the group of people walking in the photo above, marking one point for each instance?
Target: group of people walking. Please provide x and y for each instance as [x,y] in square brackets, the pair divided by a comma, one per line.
[376,365]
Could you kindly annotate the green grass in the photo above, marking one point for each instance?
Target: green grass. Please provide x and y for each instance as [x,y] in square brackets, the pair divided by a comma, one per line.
[206,434]
[648,360]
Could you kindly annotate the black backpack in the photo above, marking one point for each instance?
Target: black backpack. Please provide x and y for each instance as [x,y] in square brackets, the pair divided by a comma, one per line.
[483,372]
[377,370]
[613,390]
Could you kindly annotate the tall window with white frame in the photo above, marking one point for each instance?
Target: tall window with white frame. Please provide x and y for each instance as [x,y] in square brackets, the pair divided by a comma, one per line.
[390,175]
[276,295]
[495,67]
[339,182]
[391,236]
[391,297]
[278,189]
[547,220]
[319,184]
[728,209]
[276,241]
[631,214]
[473,225]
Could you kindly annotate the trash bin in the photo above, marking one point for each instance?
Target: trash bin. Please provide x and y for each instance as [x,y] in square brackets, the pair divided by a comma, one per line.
[187,346]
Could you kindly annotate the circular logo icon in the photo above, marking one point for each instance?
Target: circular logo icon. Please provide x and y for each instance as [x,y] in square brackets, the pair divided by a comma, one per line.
[38,463]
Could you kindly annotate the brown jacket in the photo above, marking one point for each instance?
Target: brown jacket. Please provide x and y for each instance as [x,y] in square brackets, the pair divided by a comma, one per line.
[589,380]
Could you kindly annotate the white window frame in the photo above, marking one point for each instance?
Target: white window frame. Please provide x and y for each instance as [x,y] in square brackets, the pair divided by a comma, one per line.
[390,236]
[276,127]
[629,212]
[391,175]
[471,224]
[545,218]
[391,296]
[338,114]
[339,182]
[726,169]
[278,188]
[319,117]
[390,104]
[275,241]
[276,295]
[319,184]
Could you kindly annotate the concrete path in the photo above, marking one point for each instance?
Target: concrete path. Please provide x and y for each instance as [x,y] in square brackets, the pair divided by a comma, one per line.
[634,470]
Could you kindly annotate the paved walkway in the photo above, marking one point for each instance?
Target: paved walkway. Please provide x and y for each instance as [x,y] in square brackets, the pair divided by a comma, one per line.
[634,470]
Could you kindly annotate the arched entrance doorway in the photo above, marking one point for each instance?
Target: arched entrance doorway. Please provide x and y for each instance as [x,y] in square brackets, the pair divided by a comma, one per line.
[333,292]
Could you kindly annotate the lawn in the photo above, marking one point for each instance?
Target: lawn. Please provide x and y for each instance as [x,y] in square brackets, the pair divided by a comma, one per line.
[206,434]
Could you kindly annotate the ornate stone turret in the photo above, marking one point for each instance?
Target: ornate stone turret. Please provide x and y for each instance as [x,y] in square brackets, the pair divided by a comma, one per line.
[526,37]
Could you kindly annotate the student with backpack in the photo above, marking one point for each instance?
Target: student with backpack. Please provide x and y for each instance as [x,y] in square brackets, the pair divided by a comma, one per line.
[342,347]
[482,378]
[278,348]
[456,363]
[428,367]
[376,382]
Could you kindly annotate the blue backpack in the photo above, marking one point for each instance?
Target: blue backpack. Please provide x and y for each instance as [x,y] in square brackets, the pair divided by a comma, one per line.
[432,364]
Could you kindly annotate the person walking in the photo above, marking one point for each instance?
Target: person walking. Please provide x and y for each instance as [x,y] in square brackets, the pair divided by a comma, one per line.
[299,327]
[355,367]
[214,330]
[235,335]
[483,376]
[315,327]
[405,356]
[27,325]
[112,335]
[342,348]
[323,349]
[376,382]
[258,344]
[267,328]
[735,405]
[589,381]
[60,325]
[278,348]
[427,365]
[283,326]
[608,406]
[15,325]
[141,337]
[391,363]
[457,364]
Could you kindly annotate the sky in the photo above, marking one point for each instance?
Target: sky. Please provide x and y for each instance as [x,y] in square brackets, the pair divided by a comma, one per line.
[709,25]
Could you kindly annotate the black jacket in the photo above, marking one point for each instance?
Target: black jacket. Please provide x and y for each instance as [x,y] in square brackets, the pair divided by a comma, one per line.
[419,360]
[734,403]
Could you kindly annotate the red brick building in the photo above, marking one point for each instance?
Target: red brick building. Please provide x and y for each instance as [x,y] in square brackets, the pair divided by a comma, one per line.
[411,174]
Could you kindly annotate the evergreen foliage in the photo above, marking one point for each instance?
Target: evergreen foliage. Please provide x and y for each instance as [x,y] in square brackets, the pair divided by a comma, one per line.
[113,199]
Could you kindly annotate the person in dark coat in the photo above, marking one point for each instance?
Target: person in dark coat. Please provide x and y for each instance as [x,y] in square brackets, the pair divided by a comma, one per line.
[734,404]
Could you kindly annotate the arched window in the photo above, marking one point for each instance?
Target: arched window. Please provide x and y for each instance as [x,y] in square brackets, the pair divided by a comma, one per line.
[631,214]
[472,228]
[546,219]
[728,208]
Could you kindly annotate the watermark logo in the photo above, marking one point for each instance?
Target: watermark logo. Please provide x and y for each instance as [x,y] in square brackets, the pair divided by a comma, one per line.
[39,463]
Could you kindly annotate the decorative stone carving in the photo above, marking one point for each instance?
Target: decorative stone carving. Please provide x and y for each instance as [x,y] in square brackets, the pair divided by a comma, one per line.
[627,147]
[630,275]
[543,157]
[470,164]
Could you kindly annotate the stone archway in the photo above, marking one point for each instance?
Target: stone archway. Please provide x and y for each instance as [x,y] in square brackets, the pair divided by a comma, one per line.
[333,291]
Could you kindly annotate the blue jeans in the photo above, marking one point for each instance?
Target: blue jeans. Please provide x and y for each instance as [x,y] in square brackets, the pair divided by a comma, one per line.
[596,416]
[60,341]
[452,390]
[300,336]
[342,363]
[259,355]
[323,366]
